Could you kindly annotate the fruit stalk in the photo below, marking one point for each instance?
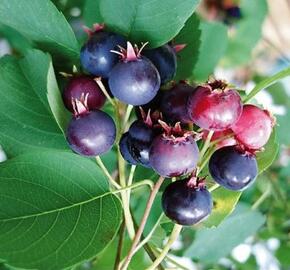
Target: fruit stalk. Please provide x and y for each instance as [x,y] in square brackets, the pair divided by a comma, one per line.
[265,83]
[174,235]
[142,223]
[104,169]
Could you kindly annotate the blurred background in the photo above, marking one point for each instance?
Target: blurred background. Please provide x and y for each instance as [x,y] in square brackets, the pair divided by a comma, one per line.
[243,42]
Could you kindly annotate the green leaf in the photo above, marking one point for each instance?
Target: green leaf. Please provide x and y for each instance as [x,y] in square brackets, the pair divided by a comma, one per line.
[91,13]
[26,119]
[56,210]
[247,33]
[41,22]
[157,21]
[187,58]
[266,157]
[16,40]
[224,203]
[54,98]
[212,244]
[213,46]
[283,128]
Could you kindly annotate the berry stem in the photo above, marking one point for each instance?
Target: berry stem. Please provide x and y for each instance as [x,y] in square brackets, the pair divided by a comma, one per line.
[104,169]
[262,198]
[122,177]
[148,237]
[267,82]
[127,115]
[120,245]
[206,144]
[178,265]
[143,222]
[213,187]
[103,89]
[130,179]
[174,235]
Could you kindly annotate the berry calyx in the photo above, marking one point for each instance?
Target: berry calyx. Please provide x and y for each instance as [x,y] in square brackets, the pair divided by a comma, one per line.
[254,127]
[214,107]
[134,80]
[164,59]
[233,168]
[174,153]
[91,134]
[96,55]
[174,103]
[185,204]
[84,89]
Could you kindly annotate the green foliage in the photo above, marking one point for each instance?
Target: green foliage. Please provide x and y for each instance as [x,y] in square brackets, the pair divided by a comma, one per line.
[41,23]
[25,109]
[212,244]
[268,155]
[157,21]
[187,58]
[212,47]
[91,12]
[224,203]
[58,210]
[247,33]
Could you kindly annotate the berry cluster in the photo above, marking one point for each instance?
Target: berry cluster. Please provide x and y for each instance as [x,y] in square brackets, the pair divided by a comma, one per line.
[169,115]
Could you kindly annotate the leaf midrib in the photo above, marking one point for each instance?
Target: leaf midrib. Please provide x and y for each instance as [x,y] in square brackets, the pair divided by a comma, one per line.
[59,209]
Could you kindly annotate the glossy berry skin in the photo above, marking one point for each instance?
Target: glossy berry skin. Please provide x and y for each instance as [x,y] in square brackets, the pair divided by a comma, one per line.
[125,149]
[254,127]
[164,59]
[141,132]
[82,86]
[96,57]
[91,134]
[140,152]
[174,103]
[214,109]
[186,205]
[141,138]
[134,82]
[232,169]
[170,157]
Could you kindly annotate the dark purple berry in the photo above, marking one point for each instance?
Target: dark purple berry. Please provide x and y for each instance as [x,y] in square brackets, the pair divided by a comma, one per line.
[96,55]
[91,134]
[174,103]
[164,59]
[81,88]
[135,80]
[140,152]
[140,131]
[125,149]
[186,205]
[232,168]
[171,157]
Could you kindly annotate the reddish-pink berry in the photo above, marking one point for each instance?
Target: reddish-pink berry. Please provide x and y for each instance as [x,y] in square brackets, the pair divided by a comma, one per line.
[214,108]
[254,127]
[84,89]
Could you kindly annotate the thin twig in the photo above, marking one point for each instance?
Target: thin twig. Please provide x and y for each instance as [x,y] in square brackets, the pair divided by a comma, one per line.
[170,259]
[127,115]
[143,222]
[130,179]
[105,92]
[148,237]
[106,172]
[120,246]
[174,235]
